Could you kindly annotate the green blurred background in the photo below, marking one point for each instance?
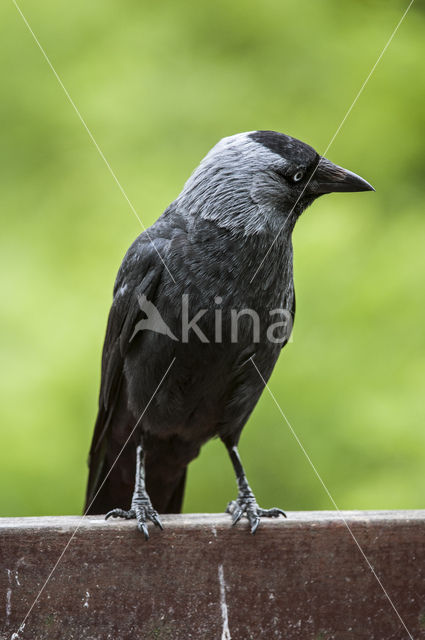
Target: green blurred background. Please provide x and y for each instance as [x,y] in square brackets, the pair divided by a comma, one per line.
[158,84]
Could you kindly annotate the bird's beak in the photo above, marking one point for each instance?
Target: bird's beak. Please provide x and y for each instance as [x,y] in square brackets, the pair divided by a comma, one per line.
[329,178]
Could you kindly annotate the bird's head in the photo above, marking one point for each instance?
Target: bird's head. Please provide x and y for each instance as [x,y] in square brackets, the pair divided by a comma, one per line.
[252,182]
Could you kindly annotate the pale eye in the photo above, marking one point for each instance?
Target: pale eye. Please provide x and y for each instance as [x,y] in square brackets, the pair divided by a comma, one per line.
[298,176]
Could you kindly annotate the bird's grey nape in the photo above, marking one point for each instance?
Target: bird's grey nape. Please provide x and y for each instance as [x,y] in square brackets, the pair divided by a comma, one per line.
[235,186]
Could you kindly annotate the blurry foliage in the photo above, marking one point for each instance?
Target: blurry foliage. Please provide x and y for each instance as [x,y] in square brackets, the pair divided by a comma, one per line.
[159,84]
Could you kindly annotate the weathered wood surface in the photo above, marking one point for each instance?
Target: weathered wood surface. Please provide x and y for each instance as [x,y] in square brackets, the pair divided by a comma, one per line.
[300,578]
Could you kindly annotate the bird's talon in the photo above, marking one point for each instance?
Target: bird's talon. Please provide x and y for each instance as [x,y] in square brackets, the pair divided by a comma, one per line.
[157,522]
[121,513]
[143,529]
[237,515]
[246,505]
[254,526]
[231,507]
[140,512]
[271,513]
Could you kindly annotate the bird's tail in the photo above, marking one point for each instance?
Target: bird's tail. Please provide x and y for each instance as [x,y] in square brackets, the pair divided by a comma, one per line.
[111,464]
[166,461]
[166,495]
[175,502]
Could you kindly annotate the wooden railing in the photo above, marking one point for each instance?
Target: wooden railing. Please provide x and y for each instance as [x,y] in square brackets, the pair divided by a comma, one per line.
[312,576]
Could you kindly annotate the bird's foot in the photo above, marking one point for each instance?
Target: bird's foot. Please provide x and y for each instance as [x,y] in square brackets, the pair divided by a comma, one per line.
[142,512]
[246,504]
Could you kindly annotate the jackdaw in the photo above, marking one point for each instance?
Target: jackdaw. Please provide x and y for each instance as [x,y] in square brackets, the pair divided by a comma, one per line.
[203,303]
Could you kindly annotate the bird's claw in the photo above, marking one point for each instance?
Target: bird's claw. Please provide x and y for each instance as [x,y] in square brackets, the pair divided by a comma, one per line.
[143,529]
[246,504]
[236,514]
[121,513]
[141,513]
[155,519]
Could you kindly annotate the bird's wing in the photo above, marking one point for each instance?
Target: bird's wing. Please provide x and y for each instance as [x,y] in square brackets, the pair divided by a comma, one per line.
[139,275]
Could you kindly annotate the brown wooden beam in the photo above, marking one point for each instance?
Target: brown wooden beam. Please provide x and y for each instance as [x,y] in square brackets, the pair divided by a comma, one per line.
[300,578]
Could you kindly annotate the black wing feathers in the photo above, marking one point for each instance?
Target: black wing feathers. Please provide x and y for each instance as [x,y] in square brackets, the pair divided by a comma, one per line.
[140,273]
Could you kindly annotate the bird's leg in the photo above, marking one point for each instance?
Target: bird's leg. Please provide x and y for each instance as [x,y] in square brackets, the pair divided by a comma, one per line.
[141,506]
[246,503]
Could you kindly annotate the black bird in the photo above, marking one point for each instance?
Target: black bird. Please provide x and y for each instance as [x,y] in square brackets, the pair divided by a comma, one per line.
[192,335]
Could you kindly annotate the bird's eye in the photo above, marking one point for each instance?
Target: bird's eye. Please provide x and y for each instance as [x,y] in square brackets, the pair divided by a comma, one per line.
[299,175]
